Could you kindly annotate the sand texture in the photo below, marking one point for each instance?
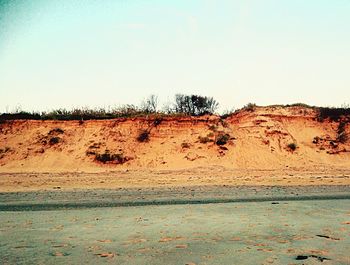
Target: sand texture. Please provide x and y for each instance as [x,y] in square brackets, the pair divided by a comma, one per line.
[37,155]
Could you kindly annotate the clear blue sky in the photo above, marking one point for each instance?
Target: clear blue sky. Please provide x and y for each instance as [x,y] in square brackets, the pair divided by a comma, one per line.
[58,53]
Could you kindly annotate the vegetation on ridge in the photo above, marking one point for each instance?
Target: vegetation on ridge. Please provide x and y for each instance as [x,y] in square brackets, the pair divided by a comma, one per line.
[188,105]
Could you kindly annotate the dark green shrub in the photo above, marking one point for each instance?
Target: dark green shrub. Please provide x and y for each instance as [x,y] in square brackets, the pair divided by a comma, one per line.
[157,121]
[195,105]
[222,139]
[106,157]
[54,140]
[22,115]
[292,146]
[143,136]
[334,114]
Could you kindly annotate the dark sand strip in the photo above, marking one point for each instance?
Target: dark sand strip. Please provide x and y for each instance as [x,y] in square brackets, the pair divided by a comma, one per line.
[55,200]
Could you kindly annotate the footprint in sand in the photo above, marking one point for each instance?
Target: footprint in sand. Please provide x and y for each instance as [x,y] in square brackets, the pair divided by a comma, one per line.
[181,246]
[135,241]
[60,245]
[23,246]
[106,255]
[59,254]
[328,237]
[57,228]
[167,239]
[93,248]
[104,240]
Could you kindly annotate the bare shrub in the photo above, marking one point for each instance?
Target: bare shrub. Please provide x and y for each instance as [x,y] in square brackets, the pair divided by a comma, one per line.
[150,104]
[56,131]
[342,136]
[204,140]
[250,107]
[185,145]
[143,136]
[210,134]
[213,128]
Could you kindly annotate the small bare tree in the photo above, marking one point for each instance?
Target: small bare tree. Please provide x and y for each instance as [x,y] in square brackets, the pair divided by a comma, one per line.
[150,104]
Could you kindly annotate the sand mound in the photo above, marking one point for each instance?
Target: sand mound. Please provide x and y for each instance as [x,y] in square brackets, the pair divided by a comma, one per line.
[266,138]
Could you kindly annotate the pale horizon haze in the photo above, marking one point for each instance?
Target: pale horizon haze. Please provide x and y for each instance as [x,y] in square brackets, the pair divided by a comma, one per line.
[65,54]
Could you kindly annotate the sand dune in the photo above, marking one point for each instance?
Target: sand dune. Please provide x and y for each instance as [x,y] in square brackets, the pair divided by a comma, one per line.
[253,141]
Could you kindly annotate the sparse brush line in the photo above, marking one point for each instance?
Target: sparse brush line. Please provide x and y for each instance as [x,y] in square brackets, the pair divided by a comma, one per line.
[183,105]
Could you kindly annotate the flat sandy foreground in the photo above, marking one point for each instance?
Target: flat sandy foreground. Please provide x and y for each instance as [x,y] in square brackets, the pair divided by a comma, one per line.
[289,232]
[213,176]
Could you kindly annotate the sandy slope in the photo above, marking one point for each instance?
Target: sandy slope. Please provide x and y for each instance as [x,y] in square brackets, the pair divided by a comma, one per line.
[258,143]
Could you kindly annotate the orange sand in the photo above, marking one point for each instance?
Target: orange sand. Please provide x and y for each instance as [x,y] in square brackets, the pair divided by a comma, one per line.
[256,154]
